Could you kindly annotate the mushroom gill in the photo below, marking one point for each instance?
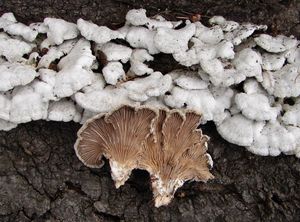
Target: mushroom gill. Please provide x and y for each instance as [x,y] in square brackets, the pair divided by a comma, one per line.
[119,136]
[165,143]
[174,153]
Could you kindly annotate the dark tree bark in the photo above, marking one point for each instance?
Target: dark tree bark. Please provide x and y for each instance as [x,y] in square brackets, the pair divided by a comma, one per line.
[41,178]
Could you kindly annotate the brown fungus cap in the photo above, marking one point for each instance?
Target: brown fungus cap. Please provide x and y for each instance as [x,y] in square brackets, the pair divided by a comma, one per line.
[165,143]
[118,136]
[175,153]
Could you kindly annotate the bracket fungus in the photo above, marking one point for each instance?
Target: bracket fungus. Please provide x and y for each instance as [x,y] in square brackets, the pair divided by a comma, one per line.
[118,136]
[245,81]
[175,153]
[165,143]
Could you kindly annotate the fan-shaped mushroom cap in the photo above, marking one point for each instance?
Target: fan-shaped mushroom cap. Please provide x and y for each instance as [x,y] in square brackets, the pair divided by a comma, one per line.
[118,136]
[174,153]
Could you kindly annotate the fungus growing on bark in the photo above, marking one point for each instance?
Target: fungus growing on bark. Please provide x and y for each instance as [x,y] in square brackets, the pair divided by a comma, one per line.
[119,136]
[174,153]
[165,143]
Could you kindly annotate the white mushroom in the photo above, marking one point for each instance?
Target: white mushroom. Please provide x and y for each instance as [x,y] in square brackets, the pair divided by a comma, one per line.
[248,62]
[40,27]
[98,83]
[87,115]
[223,97]
[202,52]
[293,55]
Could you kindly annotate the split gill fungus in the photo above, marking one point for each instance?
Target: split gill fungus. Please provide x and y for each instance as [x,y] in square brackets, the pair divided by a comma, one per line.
[166,143]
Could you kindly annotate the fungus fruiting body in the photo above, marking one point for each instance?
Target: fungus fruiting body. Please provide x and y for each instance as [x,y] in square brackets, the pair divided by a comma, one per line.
[246,81]
[165,143]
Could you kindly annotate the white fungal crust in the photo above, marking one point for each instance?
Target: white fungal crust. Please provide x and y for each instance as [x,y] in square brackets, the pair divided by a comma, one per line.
[33,109]
[137,59]
[238,130]
[56,53]
[189,80]
[292,114]
[60,30]
[107,99]
[75,70]
[137,17]
[272,62]
[272,140]
[7,19]
[284,82]
[13,49]
[276,44]
[115,52]
[15,74]
[256,106]
[113,72]
[22,30]
[140,37]
[226,26]
[248,84]
[5,104]
[172,41]
[6,126]
[154,85]
[248,62]
[63,110]
[201,101]
[98,34]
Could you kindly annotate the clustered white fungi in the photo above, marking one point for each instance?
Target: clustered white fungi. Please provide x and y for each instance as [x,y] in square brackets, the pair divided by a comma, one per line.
[247,83]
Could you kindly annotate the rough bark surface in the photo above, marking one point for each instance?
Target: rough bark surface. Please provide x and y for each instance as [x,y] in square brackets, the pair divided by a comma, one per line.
[42,180]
